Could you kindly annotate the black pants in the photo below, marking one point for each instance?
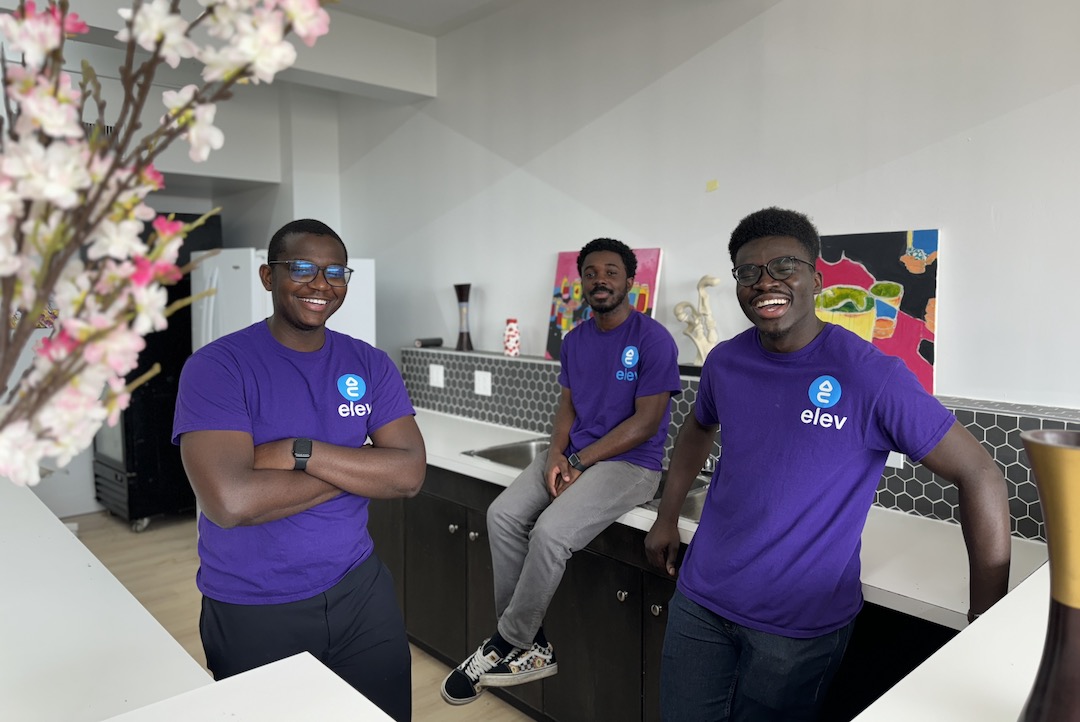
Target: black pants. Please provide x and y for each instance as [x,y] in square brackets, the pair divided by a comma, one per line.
[354,628]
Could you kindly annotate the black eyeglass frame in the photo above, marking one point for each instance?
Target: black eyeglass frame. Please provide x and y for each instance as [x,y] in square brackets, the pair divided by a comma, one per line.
[771,271]
[293,273]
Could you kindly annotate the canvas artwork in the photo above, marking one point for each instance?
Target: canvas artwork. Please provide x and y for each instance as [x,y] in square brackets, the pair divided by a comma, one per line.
[568,307]
[883,287]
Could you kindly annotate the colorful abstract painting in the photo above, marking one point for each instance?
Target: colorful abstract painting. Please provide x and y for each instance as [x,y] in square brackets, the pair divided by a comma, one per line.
[568,306]
[883,287]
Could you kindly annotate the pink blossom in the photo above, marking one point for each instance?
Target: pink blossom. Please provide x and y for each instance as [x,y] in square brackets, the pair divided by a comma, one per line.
[73,24]
[151,176]
[147,271]
[57,347]
[167,228]
[56,174]
[203,135]
[20,451]
[308,19]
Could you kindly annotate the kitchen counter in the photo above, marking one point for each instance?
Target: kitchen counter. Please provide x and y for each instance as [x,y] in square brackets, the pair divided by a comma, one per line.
[76,646]
[911,564]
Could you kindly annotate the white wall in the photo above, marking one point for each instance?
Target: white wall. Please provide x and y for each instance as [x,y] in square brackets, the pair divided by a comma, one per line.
[564,120]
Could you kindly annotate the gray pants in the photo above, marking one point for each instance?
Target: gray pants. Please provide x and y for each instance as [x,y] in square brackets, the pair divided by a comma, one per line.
[532,535]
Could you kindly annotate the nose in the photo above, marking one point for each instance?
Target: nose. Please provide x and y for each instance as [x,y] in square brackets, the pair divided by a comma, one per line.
[320,280]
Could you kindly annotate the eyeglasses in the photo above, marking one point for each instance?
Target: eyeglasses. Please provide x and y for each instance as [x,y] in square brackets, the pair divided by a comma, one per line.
[306,271]
[779,268]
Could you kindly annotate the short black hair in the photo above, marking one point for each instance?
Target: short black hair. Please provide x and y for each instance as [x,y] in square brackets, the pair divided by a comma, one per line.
[609,244]
[776,222]
[301,227]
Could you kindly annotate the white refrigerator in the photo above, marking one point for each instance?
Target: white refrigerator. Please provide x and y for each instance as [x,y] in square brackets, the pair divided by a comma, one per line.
[240,299]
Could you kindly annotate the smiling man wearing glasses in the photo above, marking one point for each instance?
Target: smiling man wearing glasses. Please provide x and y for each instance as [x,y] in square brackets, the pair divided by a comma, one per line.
[287,429]
[807,412]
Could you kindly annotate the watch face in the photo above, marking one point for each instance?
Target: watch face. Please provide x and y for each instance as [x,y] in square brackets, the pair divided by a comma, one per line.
[302,447]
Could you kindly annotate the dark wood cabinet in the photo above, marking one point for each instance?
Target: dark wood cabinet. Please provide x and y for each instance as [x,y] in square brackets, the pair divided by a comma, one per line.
[435,574]
[594,623]
[386,524]
[656,593]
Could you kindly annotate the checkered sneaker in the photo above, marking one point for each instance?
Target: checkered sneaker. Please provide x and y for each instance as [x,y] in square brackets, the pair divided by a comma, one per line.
[462,686]
[526,665]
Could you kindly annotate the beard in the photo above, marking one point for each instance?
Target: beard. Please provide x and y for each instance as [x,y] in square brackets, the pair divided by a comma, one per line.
[614,299]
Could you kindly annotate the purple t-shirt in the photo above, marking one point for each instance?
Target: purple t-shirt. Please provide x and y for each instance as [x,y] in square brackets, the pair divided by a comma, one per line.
[607,370]
[340,394]
[804,438]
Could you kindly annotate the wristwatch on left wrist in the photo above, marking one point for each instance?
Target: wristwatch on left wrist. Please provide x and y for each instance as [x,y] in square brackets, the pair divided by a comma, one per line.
[576,462]
[301,451]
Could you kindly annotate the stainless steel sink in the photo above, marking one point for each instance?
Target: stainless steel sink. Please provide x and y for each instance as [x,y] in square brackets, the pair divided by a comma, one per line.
[695,498]
[518,454]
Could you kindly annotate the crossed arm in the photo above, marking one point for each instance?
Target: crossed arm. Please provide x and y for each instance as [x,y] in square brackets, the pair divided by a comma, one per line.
[633,431]
[240,484]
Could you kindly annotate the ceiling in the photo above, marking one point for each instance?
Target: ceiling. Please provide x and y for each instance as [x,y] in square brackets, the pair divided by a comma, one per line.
[430,17]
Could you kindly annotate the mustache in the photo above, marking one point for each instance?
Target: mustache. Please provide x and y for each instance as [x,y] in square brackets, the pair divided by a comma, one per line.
[595,289]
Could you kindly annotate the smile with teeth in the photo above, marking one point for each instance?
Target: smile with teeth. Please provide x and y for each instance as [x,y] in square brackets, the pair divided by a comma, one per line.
[316,301]
[765,302]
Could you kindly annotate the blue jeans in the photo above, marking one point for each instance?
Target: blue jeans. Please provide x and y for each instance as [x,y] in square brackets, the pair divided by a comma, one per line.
[713,669]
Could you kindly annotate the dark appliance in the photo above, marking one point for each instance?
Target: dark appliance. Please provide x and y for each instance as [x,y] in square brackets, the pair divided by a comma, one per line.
[137,469]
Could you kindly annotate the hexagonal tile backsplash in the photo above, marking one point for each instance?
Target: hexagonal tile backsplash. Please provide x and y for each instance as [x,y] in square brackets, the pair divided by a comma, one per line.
[526,394]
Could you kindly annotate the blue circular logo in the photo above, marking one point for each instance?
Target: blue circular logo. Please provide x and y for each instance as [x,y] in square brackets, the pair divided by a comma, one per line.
[351,387]
[630,357]
[825,392]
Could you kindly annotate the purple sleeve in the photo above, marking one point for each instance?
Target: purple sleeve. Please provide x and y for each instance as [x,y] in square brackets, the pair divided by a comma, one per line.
[907,418]
[210,395]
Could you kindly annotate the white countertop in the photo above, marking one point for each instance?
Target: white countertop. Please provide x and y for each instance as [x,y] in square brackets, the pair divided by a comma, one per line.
[74,644]
[911,564]
[291,689]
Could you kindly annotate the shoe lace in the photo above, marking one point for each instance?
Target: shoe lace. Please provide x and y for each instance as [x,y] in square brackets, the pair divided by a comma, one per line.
[478,664]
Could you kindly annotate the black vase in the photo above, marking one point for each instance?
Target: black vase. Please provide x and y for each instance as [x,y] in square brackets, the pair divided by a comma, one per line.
[1055,461]
[464,340]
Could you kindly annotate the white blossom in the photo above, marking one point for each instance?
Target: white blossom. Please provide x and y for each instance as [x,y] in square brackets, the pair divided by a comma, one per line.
[55,174]
[156,23]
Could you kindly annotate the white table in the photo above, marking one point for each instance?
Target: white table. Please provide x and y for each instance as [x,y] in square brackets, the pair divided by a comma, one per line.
[295,688]
[74,644]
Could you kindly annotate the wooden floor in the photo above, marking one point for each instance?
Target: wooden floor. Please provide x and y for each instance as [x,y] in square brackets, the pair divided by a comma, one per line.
[158,567]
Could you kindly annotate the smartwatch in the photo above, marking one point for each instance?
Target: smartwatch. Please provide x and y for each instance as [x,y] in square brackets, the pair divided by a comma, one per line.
[301,452]
[576,462]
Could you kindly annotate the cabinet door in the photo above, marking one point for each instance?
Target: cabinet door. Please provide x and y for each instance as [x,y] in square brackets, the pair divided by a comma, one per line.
[656,593]
[594,622]
[435,584]
[481,596]
[386,524]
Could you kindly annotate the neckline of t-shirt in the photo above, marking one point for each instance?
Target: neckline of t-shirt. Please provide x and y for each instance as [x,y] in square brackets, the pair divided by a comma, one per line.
[286,351]
[793,356]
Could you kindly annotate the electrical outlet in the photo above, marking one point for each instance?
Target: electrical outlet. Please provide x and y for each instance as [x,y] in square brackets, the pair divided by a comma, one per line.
[482,381]
[436,375]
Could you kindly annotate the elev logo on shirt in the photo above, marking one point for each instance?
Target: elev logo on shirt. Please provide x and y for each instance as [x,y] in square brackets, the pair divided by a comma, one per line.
[352,388]
[824,393]
[629,358]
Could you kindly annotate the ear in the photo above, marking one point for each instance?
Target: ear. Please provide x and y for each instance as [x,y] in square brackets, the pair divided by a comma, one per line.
[817,282]
[265,275]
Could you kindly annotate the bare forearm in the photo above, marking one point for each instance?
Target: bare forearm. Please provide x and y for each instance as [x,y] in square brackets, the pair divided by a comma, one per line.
[264,495]
[372,471]
[984,516]
[632,432]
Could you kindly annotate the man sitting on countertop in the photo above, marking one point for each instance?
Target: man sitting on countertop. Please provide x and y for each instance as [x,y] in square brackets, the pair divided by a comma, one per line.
[619,372]
[769,588]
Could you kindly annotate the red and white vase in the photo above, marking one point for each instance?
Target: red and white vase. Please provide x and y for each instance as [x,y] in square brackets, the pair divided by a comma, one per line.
[512,338]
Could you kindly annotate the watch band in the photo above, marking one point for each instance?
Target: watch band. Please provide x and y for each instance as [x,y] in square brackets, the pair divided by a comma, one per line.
[576,462]
[301,451]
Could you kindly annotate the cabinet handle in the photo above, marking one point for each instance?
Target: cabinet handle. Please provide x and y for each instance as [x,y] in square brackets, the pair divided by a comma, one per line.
[621,595]
[453,528]
[474,535]
[656,609]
